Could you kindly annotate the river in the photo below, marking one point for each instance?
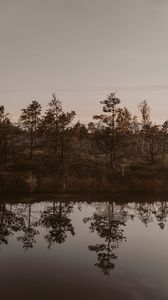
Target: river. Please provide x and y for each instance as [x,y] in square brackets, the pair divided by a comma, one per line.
[83,248]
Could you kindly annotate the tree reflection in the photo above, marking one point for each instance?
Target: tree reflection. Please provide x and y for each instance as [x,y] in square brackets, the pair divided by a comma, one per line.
[108,226]
[161,213]
[144,212]
[107,222]
[10,222]
[29,229]
[56,219]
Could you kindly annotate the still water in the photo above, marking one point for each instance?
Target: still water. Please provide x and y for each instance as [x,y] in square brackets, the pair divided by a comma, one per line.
[72,248]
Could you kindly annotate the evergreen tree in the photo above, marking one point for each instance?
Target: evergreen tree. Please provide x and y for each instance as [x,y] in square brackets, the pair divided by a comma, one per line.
[110,108]
[30,120]
[124,121]
[5,131]
[55,124]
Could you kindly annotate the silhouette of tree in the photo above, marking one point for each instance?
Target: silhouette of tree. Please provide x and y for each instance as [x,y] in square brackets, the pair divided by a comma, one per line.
[109,229]
[164,131]
[151,135]
[10,222]
[161,213]
[124,121]
[144,212]
[5,131]
[55,124]
[80,136]
[149,132]
[29,230]
[135,125]
[99,136]
[109,119]
[30,119]
[145,112]
[56,219]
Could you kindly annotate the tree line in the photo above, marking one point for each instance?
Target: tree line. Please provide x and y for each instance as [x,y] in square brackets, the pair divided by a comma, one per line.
[112,136]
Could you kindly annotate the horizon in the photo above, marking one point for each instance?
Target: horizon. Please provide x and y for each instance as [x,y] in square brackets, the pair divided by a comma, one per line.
[97,109]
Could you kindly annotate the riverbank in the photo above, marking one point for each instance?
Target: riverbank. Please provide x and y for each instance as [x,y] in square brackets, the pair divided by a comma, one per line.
[86,180]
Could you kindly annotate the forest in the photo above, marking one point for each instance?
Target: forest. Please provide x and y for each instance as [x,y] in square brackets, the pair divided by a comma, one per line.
[48,152]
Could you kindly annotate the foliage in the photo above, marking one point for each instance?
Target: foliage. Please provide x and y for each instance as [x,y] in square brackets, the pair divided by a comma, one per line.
[62,154]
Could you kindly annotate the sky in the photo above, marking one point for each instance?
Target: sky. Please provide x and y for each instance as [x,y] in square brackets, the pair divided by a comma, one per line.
[82,50]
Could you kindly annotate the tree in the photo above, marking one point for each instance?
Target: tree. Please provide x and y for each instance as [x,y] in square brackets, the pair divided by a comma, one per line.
[164,131]
[5,130]
[135,125]
[30,119]
[145,113]
[109,119]
[138,137]
[153,134]
[80,130]
[109,229]
[124,121]
[10,222]
[161,214]
[99,137]
[65,120]
[51,122]
[144,212]
[56,123]
[149,132]
[56,219]
[29,230]
[79,140]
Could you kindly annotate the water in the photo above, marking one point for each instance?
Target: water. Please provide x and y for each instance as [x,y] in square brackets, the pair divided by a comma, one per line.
[67,249]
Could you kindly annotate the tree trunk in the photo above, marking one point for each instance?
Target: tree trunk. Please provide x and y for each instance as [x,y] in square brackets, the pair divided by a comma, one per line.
[113,147]
[152,150]
[164,145]
[31,144]
[62,149]
[29,216]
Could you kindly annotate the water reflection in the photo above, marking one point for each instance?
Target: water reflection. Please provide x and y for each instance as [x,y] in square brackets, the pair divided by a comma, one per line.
[108,224]
[10,221]
[56,219]
[29,228]
[54,223]
[146,212]
[161,213]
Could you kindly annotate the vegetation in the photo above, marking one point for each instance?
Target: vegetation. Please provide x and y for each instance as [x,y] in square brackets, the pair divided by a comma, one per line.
[52,152]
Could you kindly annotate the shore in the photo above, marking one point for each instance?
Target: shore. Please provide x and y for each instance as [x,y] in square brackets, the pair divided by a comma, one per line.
[136,180]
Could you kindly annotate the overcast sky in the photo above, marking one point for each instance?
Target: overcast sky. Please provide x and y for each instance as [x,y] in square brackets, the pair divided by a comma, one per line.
[82,50]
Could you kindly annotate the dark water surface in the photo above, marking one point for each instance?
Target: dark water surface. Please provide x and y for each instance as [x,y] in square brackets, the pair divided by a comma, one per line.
[67,249]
